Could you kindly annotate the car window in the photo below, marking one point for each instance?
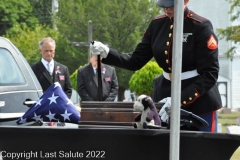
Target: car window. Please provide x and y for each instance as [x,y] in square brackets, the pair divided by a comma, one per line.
[9,70]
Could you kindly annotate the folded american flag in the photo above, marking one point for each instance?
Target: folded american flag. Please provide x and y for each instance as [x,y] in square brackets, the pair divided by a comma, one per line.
[52,106]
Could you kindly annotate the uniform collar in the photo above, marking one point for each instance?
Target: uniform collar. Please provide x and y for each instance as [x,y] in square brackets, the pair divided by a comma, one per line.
[186,12]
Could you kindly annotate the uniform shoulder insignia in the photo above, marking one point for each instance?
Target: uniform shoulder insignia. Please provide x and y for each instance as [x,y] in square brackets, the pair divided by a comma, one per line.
[159,17]
[195,17]
[212,43]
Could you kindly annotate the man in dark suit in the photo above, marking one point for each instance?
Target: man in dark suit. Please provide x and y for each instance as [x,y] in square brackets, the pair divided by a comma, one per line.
[49,71]
[87,82]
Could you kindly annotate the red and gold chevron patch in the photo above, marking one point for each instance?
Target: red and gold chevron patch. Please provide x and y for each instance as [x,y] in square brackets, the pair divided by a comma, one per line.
[212,43]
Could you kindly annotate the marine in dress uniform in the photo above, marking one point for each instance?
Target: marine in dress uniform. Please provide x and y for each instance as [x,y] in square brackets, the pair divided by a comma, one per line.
[200,66]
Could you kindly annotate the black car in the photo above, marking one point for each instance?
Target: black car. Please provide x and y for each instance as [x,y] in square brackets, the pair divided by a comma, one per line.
[18,83]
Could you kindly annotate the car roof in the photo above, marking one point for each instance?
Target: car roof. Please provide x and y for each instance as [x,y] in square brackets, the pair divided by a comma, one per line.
[31,82]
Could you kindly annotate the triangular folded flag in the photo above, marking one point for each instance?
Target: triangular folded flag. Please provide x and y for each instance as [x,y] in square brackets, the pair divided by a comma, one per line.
[52,106]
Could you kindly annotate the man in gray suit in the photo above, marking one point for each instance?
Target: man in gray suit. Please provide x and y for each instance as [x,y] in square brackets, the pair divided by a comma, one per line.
[87,82]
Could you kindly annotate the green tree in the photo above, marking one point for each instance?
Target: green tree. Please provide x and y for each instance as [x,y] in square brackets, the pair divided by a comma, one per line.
[15,12]
[118,23]
[231,33]
[141,81]
[42,9]
[27,39]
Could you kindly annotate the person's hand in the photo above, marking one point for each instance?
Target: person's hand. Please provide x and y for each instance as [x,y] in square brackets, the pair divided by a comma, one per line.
[165,110]
[97,48]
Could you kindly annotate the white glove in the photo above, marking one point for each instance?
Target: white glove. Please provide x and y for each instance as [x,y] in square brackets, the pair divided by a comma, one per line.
[97,48]
[163,113]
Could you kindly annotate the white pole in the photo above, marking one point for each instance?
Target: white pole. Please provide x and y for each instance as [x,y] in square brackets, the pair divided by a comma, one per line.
[89,37]
[54,10]
[176,79]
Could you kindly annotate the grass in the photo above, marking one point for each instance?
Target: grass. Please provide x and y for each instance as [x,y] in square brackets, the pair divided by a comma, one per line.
[228,119]
[236,155]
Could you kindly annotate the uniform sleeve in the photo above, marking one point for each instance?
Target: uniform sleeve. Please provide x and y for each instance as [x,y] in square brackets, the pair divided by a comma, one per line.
[207,64]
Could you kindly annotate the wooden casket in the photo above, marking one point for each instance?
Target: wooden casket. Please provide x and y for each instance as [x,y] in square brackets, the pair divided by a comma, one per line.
[108,114]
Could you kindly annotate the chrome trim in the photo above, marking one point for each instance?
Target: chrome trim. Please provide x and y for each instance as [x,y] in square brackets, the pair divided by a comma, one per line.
[34,91]
[11,115]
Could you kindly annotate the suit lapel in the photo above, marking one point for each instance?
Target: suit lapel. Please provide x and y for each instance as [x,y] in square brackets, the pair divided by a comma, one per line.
[92,74]
[44,71]
[56,75]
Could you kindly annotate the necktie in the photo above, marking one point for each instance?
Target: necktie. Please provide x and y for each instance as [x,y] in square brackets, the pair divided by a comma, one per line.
[96,72]
[49,69]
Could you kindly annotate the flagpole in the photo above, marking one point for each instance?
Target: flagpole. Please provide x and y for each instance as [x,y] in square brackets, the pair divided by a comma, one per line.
[176,79]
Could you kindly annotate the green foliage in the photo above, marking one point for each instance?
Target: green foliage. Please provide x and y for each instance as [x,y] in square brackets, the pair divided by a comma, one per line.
[73,79]
[141,81]
[26,40]
[16,12]
[231,33]
[42,10]
[118,23]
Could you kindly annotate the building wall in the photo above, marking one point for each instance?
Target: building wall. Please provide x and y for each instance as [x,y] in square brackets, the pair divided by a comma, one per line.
[236,82]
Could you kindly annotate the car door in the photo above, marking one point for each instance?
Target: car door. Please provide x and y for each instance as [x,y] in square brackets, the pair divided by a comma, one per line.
[18,83]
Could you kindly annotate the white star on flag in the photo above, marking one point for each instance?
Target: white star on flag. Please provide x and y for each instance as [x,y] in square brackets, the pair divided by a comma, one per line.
[57,85]
[66,115]
[38,102]
[69,101]
[51,116]
[53,99]
[23,120]
[36,117]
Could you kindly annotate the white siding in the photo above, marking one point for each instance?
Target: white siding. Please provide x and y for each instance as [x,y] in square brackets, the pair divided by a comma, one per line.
[225,67]
[236,82]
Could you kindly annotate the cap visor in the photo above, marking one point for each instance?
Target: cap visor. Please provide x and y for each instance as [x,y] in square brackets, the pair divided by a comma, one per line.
[165,4]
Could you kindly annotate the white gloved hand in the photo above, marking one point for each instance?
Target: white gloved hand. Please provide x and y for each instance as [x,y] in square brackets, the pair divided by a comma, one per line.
[163,113]
[97,48]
